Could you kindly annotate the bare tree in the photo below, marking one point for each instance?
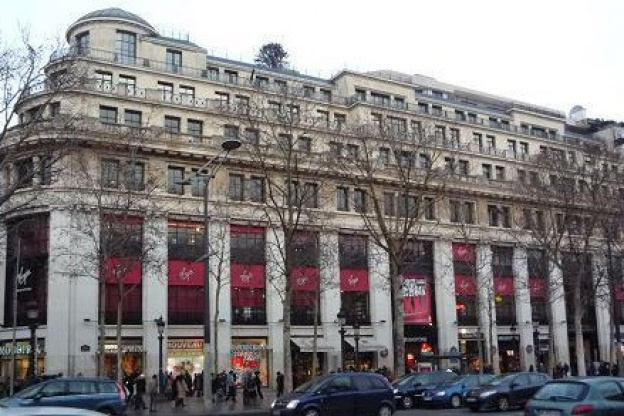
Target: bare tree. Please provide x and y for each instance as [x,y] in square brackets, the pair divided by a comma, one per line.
[397,176]
[272,55]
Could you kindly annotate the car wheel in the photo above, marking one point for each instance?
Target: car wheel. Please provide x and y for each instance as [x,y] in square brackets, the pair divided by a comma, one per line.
[502,404]
[385,410]
[407,402]
[456,401]
[311,412]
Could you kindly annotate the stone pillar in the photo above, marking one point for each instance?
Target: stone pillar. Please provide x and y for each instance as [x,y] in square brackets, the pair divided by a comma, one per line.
[485,283]
[602,306]
[558,311]
[220,277]
[4,279]
[330,295]
[154,284]
[523,309]
[381,308]
[444,284]
[275,311]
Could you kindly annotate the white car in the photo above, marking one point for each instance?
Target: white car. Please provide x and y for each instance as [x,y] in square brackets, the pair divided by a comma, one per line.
[46,411]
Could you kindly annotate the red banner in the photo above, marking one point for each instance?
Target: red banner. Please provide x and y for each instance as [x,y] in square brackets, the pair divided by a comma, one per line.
[186,273]
[464,253]
[127,269]
[416,300]
[305,278]
[249,276]
[465,285]
[537,287]
[242,229]
[504,286]
[619,292]
[247,298]
[354,280]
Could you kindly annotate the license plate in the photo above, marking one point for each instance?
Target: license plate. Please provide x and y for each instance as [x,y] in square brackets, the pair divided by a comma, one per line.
[427,398]
[275,412]
[471,399]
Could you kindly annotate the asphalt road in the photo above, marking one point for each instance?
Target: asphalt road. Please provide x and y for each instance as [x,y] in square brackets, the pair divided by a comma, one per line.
[454,412]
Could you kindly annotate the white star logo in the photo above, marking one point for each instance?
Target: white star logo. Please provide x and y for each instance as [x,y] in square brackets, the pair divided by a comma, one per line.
[353,280]
[186,274]
[302,280]
[246,276]
[22,276]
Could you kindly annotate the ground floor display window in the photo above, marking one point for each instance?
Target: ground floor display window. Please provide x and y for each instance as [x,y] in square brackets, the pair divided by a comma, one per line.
[473,355]
[509,352]
[22,359]
[131,357]
[250,354]
[185,356]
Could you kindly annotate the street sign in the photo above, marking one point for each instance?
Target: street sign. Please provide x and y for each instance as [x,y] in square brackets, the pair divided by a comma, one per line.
[85,348]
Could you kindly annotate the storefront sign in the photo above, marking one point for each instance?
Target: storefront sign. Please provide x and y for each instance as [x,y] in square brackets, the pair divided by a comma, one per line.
[186,273]
[354,280]
[416,300]
[127,269]
[21,348]
[417,339]
[132,348]
[247,276]
[185,344]
[305,278]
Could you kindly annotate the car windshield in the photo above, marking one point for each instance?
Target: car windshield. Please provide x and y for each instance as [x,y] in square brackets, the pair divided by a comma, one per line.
[28,392]
[310,385]
[562,391]
[405,380]
[502,379]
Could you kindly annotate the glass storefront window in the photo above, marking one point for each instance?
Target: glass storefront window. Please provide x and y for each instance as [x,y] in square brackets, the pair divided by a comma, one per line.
[185,355]
[250,354]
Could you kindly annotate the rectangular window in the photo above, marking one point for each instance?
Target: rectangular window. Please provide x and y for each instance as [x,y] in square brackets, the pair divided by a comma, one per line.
[454,137]
[45,170]
[304,144]
[440,132]
[213,73]
[461,211]
[460,115]
[194,127]
[280,85]
[256,189]
[127,85]
[359,200]
[463,167]
[389,204]
[424,161]
[261,82]
[353,151]
[173,60]
[493,215]
[198,182]
[524,148]
[135,176]
[172,124]
[436,110]
[423,108]
[103,79]
[230,132]
[335,149]
[175,176]
[187,94]
[236,187]
[108,114]
[512,147]
[326,95]
[500,173]
[110,173]
[449,165]
[132,118]
[83,42]
[166,91]
[231,77]
[342,198]
[340,120]
[125,47]
[477,141]
[380,99]
[490,142]
[429,208]
[242,104]
[522,176]
[323,118]
[384,156]
[486,170]
[308,91]
[360,94]
[223,98]
[407,206]
[310,195]
[472,118]
[252,136]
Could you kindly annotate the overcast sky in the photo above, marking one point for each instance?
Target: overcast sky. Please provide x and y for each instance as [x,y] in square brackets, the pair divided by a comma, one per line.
[555,53]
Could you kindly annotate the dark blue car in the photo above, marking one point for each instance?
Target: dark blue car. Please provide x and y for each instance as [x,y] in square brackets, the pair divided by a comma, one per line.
[409,389]
[100,394]
[340,394]
[452,393]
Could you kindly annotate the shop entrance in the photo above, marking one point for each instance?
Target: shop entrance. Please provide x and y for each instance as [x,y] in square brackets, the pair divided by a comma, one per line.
[302,364]
[509,352]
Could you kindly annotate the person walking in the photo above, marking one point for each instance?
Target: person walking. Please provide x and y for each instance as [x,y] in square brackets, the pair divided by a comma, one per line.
[258,382]
[140,387]
[230,386]
[181,390]
[152,390]
[280,384]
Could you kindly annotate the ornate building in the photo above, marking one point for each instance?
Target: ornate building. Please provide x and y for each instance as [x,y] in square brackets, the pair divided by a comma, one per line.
[148,111]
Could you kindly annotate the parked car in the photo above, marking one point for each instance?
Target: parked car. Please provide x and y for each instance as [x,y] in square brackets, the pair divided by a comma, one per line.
[342,394]
[452,392]
[587,395]
[46,411]
[505,391]
[99,394]
[409,390]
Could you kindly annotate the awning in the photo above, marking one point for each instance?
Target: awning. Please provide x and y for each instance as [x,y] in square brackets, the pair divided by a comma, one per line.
[367,344]
[306,344]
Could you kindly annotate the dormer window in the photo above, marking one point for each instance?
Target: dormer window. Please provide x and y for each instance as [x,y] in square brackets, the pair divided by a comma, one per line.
[82,43]
[174,60]
[125,47]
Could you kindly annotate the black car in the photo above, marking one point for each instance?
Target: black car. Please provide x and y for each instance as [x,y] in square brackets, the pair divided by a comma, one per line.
[505,391]
[409,389]
[340,394]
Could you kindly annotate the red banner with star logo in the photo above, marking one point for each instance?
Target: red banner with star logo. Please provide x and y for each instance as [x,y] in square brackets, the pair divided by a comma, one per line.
[249,276]
[504,286]
[465,285]
[538,287]
[305,278]
[464,253]
[354,280]
[186,273]
[127,269]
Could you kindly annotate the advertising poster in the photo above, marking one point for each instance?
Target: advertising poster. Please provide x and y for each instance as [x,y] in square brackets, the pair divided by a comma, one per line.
[416,300]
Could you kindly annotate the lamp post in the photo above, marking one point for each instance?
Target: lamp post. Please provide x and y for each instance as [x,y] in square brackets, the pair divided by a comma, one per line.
[513,329]
[32,313]
[536,326]
[356,337]
[227,146]
[160,324]
[342,321]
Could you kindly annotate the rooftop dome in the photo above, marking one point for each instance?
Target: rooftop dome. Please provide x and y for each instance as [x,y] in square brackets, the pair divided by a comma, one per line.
[114,13]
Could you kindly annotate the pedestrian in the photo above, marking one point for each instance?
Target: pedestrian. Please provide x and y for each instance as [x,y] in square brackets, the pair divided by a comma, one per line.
[214,386]
[230,386]
[615,370]
[200,384]
[196,385]
[128,382]
[152,389]
[189,383]
[280,384]
[531,368]
[140,387]
[258,382]
[181,387]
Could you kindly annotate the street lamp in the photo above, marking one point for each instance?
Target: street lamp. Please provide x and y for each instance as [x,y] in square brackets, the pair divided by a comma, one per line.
[342,321]
[536,326]
[512,329]
[227,146]
[32,314]
[160,324]
[356,337]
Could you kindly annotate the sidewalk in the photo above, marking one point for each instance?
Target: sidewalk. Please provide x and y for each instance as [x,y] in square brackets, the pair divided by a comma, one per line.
[195,406]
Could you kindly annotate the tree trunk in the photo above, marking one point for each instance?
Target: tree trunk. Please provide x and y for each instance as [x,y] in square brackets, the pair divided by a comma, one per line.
[215,335]
[102,327]
[315,363]
[578,331]
[552,353]
[288,379]
[398,329]
[120,288]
